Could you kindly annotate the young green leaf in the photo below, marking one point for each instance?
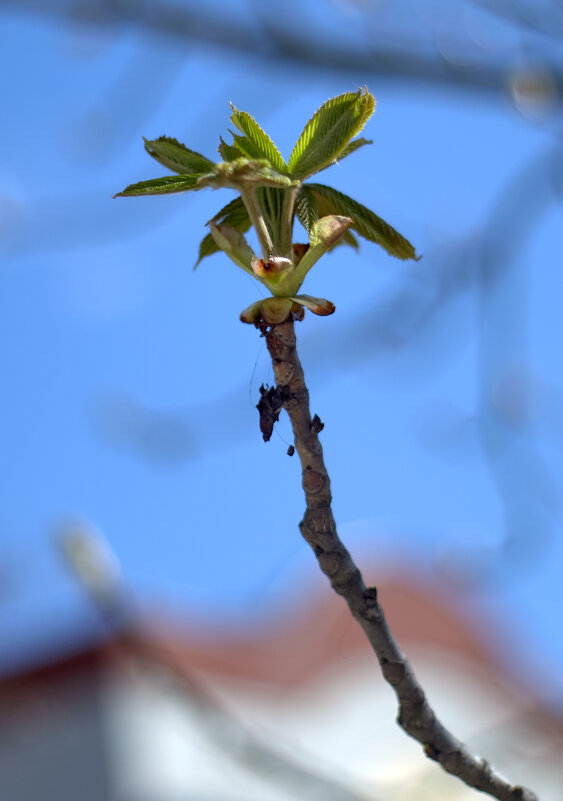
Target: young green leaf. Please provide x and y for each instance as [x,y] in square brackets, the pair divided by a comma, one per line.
[229,152]
[307,208]
[351,147]
[349,239]
[308,213]
[248,148]
[233,243]
[329,131]
[368,109]
[365,222]
[271,201]
[207,247]
[177,157]
[161,186]
[234,214]
[264,147]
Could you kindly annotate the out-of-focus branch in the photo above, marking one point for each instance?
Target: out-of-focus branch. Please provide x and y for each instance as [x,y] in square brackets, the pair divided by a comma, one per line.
[318,528]
[514,461]
[285,44]
[539,17]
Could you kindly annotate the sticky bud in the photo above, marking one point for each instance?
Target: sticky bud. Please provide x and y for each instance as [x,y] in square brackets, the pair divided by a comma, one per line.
[274,266]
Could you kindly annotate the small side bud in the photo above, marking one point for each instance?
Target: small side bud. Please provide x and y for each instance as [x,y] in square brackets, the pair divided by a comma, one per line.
[251,314]
[320,306]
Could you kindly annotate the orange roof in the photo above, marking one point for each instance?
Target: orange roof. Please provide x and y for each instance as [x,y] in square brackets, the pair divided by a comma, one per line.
[285,649]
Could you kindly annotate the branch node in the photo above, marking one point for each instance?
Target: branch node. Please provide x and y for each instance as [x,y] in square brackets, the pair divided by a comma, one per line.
[371,611]
[394,672]
[313,481]
[415,716]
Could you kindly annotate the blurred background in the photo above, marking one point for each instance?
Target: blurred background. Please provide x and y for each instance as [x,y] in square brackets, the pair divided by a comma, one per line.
[129,385]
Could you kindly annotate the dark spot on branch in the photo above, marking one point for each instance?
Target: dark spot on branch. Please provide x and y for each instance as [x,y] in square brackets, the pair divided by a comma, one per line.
[371,595]
[269,407]
[431,752]
[317,424]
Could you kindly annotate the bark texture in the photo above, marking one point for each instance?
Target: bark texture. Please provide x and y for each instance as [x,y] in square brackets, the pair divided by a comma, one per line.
[318,528]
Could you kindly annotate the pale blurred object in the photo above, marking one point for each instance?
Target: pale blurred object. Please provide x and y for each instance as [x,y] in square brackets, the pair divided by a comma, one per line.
[91,560]
[534,92]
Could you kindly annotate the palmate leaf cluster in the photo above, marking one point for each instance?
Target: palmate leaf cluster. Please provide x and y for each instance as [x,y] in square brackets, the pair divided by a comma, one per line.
[271,193]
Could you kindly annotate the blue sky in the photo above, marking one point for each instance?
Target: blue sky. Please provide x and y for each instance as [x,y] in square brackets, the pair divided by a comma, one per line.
[129,384]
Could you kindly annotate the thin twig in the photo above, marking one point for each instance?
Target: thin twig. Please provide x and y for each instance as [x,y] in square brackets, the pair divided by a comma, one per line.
[288,45]
[318,528]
